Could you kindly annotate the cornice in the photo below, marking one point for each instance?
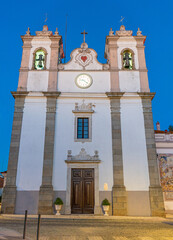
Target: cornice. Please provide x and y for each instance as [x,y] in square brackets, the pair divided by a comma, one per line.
[27,38]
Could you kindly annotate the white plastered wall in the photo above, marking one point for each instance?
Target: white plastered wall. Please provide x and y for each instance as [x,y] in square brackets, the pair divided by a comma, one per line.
[135,161]
[38,79]
[101,82]
[30,161]
[64,140]
[129,81]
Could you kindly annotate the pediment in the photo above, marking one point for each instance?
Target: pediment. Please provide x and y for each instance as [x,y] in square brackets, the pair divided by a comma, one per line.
[83,58]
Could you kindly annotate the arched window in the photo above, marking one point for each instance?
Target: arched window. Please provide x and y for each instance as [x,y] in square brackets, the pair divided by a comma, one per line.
[127,59]
[40,59]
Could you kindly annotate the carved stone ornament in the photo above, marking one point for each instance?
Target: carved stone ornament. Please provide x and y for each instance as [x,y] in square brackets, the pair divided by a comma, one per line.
[56,32]
[60,66]
[44,32]
[28,33]
[84,57]
[83,108]
[111,33]
[123,32]
[105,66]
[139,33]
[82,156]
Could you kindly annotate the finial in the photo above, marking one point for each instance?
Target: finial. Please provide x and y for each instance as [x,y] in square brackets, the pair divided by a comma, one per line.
[111,33]
[139,33]
[122,28]
[28,32]
[56,32]
[45,28]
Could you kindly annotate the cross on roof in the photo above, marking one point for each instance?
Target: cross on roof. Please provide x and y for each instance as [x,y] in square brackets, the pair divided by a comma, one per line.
[84,35]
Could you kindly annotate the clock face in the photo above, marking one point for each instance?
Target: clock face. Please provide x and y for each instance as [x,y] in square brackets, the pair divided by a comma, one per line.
[83,81]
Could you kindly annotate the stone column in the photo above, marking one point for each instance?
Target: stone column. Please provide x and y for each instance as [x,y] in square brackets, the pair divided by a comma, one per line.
[118,189]
[45,205]
[155,190]
[9,192]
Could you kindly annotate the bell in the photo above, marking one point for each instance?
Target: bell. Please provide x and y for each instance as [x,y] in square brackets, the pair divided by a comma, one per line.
[40,64]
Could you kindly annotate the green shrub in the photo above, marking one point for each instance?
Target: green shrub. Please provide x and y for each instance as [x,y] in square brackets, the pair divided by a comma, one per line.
[58,201]
[105,202]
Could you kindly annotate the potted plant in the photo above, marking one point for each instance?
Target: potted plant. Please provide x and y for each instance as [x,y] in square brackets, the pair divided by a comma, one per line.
[106,205]
[58,205]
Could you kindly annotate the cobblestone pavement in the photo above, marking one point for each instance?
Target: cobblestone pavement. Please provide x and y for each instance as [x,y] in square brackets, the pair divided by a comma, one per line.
[89,229]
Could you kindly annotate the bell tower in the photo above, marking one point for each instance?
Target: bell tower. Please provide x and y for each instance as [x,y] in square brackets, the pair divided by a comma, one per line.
[135,170]
[34,119]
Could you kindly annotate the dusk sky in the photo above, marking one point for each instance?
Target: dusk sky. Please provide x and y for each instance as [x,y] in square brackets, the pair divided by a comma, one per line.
[154,18]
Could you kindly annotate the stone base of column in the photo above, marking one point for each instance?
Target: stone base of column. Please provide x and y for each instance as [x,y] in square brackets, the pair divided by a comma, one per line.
[45,205]
[156,201]
[67,209]
[97,210]
[8,200]
[119,200]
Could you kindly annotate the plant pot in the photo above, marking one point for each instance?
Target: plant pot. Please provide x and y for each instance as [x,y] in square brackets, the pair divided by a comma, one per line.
[58,209]
[106,209]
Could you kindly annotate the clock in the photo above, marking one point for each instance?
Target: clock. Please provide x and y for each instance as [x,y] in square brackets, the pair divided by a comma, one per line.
[83,80]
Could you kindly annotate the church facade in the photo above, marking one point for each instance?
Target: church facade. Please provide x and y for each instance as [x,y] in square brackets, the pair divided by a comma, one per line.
[83,130]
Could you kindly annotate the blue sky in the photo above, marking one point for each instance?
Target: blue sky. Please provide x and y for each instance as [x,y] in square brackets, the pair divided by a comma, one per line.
[97,16]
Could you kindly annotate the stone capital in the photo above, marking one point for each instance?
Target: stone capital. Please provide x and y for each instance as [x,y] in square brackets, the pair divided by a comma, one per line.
[114,95]
[52,94]
[147,95]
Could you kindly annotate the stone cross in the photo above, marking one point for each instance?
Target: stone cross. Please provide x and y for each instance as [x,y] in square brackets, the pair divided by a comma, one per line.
[84,35]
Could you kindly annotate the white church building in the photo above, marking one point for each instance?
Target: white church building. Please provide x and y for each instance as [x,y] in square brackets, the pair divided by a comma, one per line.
[83,130]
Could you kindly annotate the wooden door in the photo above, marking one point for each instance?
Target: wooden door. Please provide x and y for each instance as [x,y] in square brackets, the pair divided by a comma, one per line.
[82,191]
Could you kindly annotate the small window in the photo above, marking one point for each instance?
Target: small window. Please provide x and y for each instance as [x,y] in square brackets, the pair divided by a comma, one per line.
[127,59]
[83,128]
[39,61]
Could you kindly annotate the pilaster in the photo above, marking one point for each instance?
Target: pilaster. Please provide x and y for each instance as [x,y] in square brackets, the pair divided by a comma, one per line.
[24,68]
[112,56]
[155,190]
[143,72]
[118,190]
[9,192]
[45,205]
[52,85]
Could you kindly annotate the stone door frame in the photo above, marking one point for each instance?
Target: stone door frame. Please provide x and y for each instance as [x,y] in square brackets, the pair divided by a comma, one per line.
[83,164]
